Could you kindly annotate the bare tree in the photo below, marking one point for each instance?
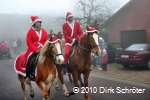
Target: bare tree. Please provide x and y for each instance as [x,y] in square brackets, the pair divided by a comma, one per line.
[89,10]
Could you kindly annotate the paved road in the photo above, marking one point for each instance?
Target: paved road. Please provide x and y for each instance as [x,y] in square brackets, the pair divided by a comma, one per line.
[10,88]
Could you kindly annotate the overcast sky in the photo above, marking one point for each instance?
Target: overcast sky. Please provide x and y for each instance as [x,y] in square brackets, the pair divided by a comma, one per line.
[42,6]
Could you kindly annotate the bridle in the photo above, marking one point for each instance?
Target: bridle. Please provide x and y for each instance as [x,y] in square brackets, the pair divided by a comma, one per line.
[52,56]
[86,49]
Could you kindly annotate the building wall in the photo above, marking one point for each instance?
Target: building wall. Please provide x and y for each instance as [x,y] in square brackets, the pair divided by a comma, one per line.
[134,17]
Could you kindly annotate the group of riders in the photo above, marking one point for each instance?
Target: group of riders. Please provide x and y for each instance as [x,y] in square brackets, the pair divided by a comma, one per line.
[37,36]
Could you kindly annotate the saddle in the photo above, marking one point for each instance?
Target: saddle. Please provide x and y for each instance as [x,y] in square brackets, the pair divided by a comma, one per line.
[20,65]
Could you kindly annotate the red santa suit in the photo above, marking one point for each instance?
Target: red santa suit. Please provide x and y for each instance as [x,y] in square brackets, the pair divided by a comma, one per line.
[72,32]
[34,40]
[4,45]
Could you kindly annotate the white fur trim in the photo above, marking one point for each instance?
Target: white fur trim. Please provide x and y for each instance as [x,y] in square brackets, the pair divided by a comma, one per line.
[70,16]
[72,28]
[91,31]
[40,45]
[36,21]
[54,41]
[39,35]
[67,44]
[70,43]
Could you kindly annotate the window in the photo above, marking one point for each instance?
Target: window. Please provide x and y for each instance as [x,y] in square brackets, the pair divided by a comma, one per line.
[117,47]
[137,47]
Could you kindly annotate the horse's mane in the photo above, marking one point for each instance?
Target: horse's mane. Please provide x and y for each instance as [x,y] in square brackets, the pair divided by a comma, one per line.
[42,56]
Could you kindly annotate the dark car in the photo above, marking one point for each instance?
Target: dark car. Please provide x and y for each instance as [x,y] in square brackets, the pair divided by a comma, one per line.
[111,49]
[136,54]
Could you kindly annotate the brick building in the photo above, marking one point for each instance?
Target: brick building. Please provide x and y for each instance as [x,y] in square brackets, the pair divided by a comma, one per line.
[131,24]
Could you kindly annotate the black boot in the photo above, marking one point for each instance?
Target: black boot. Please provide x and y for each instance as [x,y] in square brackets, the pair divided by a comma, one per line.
[63,71]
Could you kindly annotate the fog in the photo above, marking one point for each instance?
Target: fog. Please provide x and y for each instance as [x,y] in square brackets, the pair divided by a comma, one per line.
[15,15]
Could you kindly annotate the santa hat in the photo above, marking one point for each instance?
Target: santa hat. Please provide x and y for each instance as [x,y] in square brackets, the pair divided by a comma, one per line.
[69,14]
[54,39]
[35,19]
[91,30]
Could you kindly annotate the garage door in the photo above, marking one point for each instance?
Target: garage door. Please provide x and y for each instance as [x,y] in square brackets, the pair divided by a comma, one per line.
[134,36]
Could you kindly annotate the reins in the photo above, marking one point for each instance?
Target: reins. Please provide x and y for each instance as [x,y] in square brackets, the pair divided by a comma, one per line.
[86,49]
[52,57]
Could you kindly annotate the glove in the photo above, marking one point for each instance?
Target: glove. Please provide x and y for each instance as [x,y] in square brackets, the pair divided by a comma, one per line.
[76,42]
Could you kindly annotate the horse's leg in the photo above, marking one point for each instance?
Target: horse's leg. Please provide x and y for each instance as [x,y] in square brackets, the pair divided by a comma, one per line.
[80,79]
[66,93]
[75,79]
[86,76]
[22,80]
[41,85]
[31,90]
[57,84]
[48,88]
[70,78]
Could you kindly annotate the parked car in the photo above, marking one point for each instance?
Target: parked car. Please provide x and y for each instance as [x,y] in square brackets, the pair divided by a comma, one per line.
[111,49]
[136,54]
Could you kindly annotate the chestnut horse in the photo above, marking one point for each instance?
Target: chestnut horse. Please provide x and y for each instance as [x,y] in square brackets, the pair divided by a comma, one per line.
[45,70]
[80,61]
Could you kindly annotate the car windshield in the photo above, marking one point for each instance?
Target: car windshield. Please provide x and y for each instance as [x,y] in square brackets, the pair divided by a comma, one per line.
[117,47]
[137,47]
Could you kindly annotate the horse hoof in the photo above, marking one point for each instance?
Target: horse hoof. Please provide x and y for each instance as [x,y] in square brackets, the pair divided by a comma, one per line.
[88,98]
[32,95]
[25,98]
[66,94]
[57,88]
[71,93]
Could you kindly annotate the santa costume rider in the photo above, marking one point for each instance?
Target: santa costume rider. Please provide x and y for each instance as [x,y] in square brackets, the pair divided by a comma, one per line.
[35,39]
[72,34]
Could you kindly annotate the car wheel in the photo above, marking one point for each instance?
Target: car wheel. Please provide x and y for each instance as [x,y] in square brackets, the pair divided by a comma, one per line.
[126,66]
[148,65]
[9,56]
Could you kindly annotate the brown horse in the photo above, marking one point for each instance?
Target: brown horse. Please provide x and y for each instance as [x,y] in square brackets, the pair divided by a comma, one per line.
[60,76]
[80,61]
[46,71]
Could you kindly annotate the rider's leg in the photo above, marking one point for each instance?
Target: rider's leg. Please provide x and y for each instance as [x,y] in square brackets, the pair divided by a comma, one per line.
[66,56]
[28,68]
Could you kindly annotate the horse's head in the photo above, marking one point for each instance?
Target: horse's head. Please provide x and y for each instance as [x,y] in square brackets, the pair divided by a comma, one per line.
[52,48]
[93,38]
[56,46]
